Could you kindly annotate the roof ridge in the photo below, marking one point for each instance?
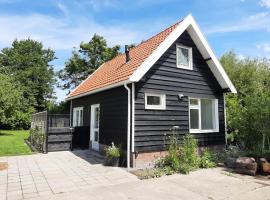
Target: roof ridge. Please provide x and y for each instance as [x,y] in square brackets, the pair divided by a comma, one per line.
[149,38]
[160,32]
[137,46]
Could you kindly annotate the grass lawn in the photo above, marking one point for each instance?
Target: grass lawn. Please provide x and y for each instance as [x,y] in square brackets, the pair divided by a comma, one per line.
[12,143]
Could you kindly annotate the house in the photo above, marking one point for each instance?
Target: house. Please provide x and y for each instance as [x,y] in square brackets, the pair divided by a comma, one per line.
[173,79]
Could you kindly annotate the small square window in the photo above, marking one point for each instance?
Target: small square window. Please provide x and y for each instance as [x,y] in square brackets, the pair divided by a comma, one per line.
[155,101]
[184,57]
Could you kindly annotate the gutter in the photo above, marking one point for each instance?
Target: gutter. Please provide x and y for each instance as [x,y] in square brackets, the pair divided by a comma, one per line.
[128,128]
[98,90]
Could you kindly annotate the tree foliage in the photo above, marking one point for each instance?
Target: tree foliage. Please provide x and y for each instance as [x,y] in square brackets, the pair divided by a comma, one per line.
[13,111]
[85,61]
[26,84]
[248,112]
[27,61]
[62,107]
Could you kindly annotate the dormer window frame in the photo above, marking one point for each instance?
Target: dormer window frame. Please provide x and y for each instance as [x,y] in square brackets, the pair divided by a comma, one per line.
[190,57]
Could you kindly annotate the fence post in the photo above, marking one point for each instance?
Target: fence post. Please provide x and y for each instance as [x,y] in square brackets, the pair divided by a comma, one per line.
[46,131]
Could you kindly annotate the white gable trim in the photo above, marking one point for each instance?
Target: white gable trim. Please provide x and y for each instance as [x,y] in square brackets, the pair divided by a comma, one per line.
[191,26]
[68,96]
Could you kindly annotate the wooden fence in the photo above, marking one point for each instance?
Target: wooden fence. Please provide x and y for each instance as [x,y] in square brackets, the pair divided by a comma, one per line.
[56,129]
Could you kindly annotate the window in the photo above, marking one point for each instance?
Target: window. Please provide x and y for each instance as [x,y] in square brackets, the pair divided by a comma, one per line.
[155,101]
[77,116]
[203,115]
[184,57]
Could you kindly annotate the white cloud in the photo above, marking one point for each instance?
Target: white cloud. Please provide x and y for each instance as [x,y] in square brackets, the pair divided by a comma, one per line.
[97,5]
[240,56]
[265,47]
[59,33]
[265,3]
[62,8]
[263,50]
[259,21]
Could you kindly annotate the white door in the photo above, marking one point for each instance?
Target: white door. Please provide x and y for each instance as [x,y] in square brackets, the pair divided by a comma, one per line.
[94,130]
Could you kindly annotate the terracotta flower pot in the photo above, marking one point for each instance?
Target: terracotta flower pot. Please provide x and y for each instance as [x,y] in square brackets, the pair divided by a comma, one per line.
[265,165]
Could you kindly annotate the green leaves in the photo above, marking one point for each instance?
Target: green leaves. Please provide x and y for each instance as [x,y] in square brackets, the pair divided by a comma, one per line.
[248,112]
[29,81]
[85,61]
[13,113]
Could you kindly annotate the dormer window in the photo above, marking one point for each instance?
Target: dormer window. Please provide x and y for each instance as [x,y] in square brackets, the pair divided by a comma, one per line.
[184,57]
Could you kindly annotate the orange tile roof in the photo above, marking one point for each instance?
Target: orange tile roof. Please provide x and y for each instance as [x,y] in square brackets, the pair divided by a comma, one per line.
[117,69]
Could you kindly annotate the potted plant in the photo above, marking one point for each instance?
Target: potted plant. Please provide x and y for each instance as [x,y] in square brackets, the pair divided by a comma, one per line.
[112,153]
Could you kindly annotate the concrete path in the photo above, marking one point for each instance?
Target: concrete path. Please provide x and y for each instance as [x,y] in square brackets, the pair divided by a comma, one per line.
[210,184]
[40,175]
[79,176]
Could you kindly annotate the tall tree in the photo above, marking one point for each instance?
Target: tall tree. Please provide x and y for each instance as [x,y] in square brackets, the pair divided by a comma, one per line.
[248,111]
[28,62]
[13,111]
[85,61]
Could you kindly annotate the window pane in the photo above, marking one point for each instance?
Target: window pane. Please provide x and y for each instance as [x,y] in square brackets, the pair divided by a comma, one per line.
[194,102]
[81,118]
[183,57]
[194,118]
[96,122]
[77,117]
[96,136]
[207,114]
[153,100]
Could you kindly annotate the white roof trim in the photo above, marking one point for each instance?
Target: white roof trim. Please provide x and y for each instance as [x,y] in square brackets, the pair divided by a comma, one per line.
[68,96]
[191,26]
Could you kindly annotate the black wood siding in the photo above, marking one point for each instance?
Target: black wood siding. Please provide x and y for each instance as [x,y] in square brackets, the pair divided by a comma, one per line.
[113,114]
[164,77]
[59,139]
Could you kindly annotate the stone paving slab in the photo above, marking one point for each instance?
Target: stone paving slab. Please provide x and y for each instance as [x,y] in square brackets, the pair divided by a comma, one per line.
[44,175]
[207,184]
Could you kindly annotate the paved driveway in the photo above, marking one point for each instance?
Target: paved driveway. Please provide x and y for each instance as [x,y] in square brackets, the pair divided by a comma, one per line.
[209,184]
[44,175]
[80,176]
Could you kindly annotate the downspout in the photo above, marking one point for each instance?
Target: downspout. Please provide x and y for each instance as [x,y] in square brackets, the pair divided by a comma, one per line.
[70,114]
[133,118]
[128,128]
[225,118]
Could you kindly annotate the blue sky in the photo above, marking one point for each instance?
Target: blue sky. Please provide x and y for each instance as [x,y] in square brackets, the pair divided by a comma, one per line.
[242,25]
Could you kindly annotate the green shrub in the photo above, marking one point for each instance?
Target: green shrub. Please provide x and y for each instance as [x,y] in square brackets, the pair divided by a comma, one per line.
[172,159]
[234,151]
[182,156]
[208,159]
[112,151]
[37,138]
[189,159]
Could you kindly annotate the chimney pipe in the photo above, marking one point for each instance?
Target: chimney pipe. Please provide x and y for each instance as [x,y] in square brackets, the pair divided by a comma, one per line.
[127,53]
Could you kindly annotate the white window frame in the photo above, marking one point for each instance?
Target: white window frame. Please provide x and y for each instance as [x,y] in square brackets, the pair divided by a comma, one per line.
[216,120]
[74,116]
[190,59]
[162,105]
